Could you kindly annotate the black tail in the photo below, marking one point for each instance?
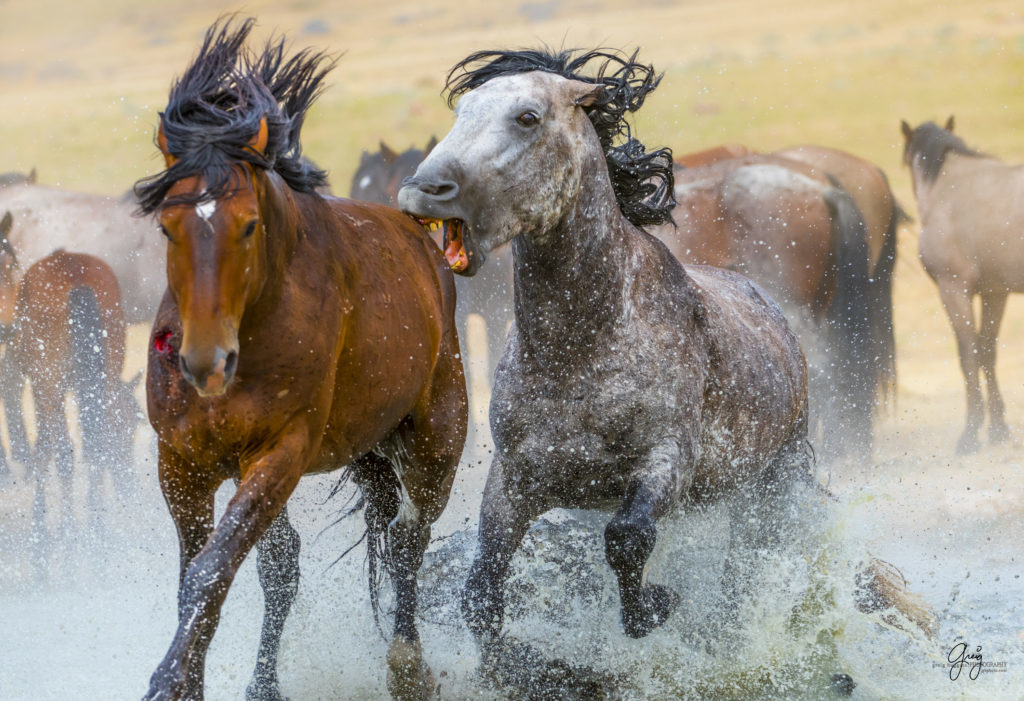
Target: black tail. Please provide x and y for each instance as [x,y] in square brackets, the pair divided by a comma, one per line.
[88,368]
[883,331]
[854,371]
[379,498]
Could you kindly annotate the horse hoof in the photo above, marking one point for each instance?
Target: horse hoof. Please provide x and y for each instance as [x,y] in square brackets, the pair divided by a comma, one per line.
[264,691]
[968,444]
[657,603]
[409,678]
[843,684]
[998,433]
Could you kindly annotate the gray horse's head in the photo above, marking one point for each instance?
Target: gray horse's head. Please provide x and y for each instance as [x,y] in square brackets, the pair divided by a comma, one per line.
[529,127]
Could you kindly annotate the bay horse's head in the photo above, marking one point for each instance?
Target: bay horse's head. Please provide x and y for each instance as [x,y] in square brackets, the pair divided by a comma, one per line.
[230,128]
[380,175]
[529,127]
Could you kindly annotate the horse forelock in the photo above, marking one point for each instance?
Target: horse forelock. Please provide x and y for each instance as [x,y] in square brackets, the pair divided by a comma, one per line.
[643,181]
[216,108]
[928,147]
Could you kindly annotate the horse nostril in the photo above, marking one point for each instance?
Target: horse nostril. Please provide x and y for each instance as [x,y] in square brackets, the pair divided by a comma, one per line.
[184,367]
[437,189]
[230,363]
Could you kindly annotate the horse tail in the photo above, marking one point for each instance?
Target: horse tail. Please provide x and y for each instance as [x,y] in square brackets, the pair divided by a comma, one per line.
[854,369]
[881,304]
[88,368]
[379,498]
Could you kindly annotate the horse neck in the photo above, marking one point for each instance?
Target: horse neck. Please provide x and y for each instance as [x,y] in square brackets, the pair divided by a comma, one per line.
[283,218]
[573,282]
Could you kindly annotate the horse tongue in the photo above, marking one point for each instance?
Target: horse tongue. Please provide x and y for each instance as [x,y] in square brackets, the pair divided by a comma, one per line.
[455,248]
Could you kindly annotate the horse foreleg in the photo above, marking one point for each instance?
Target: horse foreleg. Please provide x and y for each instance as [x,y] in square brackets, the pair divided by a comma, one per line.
[957,302]
[992,307]
[505,516]
[265,487]
[12,384]
[630,536]
[277,561]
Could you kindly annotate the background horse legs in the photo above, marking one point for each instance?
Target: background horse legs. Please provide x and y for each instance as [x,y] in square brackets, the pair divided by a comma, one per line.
[277,560]
[993,304]
[629,540]
[956,298]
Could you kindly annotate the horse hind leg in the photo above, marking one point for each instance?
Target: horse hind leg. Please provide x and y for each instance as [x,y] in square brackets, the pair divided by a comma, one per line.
[957,301]
[992,307]
[277,561]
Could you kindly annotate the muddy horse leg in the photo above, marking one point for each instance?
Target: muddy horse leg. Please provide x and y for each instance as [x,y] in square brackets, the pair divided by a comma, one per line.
[277,561]
[630,536]
[957,302]
[266,484]
[993,304]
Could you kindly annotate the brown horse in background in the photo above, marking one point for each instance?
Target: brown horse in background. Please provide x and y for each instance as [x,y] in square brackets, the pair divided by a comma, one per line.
[70,337]
[379,175]
[299,334]
[971,207]
[802,237]
[15,178]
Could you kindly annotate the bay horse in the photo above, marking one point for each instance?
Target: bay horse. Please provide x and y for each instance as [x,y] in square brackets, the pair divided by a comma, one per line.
[802,237]
[378,179]
[629,380]
[971,207]
[47,218]
[70,337]
[299,333]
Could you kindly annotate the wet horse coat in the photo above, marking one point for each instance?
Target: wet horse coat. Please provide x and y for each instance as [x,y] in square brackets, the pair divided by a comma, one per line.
[628,378]
[299,333]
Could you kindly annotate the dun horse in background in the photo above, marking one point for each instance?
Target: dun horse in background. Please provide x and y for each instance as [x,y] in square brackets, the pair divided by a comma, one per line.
[70,337]
[299,333]
[971,208]
[802,238]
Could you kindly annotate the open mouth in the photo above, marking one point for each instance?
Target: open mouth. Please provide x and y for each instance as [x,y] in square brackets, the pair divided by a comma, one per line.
[452,243]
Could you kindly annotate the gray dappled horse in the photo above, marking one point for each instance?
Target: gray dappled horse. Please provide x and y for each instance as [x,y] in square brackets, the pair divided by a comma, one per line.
[972,213]
[628,379]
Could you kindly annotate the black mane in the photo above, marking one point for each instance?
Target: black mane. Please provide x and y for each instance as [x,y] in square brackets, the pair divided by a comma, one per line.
[932,143]
[643,182]
[214,110]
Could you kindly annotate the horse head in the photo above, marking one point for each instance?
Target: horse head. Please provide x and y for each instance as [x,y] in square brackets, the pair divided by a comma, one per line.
[530,127]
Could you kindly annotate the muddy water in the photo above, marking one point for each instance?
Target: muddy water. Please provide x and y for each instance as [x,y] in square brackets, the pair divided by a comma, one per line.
[89,611]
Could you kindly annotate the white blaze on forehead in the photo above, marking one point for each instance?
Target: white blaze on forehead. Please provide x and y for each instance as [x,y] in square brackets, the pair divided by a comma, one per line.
[205,210]
[365,181]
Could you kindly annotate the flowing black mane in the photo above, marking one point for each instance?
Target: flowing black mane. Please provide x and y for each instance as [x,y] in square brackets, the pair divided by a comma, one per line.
[214,110]
[643,182]
[928,146]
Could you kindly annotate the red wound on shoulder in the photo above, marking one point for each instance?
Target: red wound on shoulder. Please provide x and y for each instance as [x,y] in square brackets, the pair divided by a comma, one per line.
[162,342]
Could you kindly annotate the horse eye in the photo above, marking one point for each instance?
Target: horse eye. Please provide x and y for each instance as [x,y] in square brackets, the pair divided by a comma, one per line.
[163,230]
[249,230]
[528,119]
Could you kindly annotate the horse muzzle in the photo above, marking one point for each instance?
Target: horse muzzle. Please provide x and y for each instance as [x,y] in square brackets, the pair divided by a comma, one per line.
[209,373]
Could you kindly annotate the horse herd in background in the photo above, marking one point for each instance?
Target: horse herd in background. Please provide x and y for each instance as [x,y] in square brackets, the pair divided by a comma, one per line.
[625,269]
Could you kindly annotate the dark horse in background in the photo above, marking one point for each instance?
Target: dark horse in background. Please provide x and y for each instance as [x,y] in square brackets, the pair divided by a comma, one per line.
[70,337]
[800,235]
[378,179]
[971,207]
[299,333]
[628,380]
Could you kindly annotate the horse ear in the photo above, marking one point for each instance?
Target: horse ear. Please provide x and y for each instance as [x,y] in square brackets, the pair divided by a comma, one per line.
[258,143]
[584,94]
[907,131]
[949,123]
[387,153]
[32,175]
[430,145]
[161,142]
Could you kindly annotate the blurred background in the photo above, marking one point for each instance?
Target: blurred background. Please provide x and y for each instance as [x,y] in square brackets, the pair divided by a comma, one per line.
[81,85]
